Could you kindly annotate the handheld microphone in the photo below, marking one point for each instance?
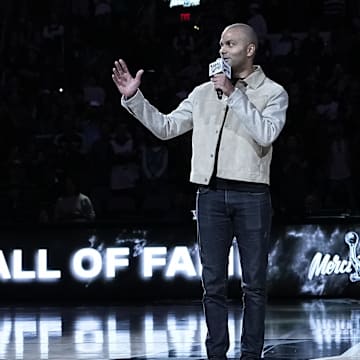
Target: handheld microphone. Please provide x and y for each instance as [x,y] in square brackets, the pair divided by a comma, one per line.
[217,67]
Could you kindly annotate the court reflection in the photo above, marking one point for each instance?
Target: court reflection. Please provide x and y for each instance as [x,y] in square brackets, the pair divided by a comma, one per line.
[309,329]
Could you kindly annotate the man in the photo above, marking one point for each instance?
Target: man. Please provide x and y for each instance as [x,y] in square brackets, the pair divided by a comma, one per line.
[232,151]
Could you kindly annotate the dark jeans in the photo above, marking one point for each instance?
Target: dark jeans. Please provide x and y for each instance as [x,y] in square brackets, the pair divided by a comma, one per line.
[223,215]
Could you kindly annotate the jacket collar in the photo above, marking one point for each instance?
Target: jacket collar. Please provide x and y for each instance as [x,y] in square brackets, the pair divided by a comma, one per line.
[256,78]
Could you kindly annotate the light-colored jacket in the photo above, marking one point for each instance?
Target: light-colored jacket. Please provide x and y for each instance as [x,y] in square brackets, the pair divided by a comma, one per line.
[254,117]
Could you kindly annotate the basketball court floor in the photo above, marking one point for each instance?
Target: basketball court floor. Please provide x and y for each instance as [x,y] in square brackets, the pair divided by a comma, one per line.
[295,330]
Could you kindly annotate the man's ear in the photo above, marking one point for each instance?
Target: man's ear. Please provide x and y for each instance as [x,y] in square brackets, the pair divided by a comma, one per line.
[251,49]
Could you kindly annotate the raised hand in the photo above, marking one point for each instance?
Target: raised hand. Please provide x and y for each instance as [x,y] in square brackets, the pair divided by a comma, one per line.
[126,84]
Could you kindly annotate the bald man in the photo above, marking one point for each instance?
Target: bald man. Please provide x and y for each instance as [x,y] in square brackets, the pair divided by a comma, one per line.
[232,149]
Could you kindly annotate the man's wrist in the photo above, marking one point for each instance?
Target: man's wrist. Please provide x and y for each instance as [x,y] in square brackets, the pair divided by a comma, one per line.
[126,98]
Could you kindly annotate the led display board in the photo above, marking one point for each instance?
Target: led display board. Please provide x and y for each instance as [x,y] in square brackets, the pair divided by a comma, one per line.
[163,262]
[184,3]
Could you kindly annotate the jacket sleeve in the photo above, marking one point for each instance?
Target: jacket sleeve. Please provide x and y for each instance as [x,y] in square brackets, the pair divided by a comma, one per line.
[163,126]
[265,126]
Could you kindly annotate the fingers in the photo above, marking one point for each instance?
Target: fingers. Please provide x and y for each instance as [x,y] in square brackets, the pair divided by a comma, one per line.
[115,79]
[119,71]
[121,66]
[123,80]
[115,73]
[218,81]
[139,75]
[221,82]
[116,76]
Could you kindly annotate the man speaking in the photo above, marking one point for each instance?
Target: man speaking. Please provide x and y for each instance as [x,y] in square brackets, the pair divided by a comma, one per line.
[232,150]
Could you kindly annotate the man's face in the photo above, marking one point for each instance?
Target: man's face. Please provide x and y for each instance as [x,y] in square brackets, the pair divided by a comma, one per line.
[234,49]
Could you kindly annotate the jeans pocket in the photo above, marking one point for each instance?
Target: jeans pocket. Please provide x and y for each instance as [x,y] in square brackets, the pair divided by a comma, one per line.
[202,190]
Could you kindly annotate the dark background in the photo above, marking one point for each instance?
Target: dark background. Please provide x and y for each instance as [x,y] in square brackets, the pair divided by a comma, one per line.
[310,47]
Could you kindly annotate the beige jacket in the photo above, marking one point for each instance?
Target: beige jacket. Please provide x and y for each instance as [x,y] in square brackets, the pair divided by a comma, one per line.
[255,117]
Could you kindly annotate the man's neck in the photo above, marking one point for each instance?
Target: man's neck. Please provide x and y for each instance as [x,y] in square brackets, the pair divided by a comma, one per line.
[243,74]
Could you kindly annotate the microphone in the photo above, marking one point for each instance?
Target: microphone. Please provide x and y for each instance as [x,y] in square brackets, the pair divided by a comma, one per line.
[217,67]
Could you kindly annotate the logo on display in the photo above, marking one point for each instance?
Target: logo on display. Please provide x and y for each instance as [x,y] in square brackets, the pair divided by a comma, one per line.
[328,265]
[352,240]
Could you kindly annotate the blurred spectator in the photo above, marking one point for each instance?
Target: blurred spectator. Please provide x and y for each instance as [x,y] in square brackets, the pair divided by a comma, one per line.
[327,107]
[284,48]
[312,203]
[100,162]
[69,147]
[194,70]
[294,176]
[125,172]
[94,94]
[102,7]
[125,168]
[257,20]
[102,23]
[340,193]
[354,58]
[183,45]
[81,9]
[264,54]
[146,14]
[230,12]
[29,70]
[311,49]
[184,88]
[154,166]
[90,124]
[53,35]
[338,80]
[72,205]
[333,12]
[154,162]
